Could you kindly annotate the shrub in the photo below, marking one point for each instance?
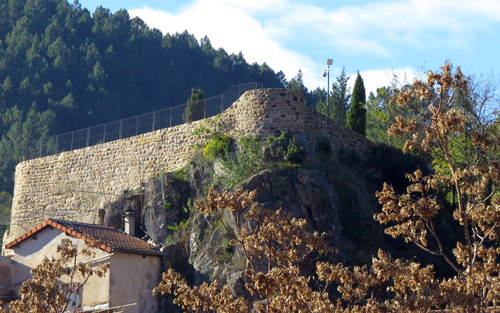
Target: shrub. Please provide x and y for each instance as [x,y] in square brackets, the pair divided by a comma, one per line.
[248,160]
[217,147]
[195,107]
[295,152]
[285,147]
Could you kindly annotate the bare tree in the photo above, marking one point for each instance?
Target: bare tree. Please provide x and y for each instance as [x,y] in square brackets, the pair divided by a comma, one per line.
[44,292]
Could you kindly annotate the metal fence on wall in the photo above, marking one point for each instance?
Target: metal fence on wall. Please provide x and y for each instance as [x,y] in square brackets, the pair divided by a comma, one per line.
[136,125]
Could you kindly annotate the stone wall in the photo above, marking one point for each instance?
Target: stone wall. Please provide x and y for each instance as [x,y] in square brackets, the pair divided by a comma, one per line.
[75,184]
[318,126]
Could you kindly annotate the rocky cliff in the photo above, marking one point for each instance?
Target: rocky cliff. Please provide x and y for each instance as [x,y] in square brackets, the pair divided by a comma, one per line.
[76,184]
[334,192]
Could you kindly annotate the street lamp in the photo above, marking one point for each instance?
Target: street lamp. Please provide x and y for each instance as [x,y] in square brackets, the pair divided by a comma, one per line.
[325,73]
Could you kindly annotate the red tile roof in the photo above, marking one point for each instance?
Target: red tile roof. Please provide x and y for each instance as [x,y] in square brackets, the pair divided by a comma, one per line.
[113,240]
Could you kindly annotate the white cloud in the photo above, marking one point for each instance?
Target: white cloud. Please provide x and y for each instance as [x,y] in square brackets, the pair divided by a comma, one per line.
[259,5]
[289,36]
[378,25]
[377,78]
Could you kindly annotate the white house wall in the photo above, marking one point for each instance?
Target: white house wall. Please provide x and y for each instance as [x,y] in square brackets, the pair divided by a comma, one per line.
[132,280]
[30,252]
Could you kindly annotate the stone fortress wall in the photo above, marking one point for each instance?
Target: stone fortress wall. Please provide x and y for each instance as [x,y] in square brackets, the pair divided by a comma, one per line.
[75,184]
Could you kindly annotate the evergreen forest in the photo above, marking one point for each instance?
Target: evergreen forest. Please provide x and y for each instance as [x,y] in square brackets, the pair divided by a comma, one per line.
[64,68]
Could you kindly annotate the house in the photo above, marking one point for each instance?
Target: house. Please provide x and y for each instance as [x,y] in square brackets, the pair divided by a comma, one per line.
[134,265]
[6,286]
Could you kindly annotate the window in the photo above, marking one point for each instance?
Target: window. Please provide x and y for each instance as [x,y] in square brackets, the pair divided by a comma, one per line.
[75,296]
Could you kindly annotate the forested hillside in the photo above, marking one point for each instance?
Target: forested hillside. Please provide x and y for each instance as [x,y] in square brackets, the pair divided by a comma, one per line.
[63,68]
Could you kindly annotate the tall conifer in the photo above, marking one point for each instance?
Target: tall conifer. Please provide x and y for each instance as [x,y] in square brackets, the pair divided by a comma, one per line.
[356,117]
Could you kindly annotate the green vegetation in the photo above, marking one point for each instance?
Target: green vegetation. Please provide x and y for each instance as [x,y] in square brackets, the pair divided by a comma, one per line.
[323,146]
[226,249]
[285,147]
[202,129]
[196,106]
[246,161]
[253,155]
[297,83]
[5,205]
[217,147]
[176,232]
[295,152]
[190,207]
[356,117]
[340,95]
[179,176]
[179,227]
[64,68]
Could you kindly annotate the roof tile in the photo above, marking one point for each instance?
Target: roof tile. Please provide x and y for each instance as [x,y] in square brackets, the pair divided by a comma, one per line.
[113,240]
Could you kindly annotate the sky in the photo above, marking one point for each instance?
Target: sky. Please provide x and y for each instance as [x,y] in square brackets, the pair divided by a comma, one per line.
[375,38]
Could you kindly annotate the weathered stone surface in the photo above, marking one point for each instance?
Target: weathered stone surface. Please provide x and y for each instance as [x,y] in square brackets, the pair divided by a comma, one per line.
[207,241]
[76,184]
[303,192]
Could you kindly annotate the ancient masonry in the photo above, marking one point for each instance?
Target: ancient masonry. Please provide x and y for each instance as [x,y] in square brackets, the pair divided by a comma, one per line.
[75,184]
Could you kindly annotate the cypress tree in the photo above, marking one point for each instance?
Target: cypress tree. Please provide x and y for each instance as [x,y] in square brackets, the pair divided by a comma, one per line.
[195,109]
[356,117]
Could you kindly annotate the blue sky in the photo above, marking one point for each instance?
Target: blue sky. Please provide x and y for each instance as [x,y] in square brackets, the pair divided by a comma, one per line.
[376,38]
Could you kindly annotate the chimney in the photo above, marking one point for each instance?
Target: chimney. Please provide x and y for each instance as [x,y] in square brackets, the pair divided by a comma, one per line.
[100,216]
[130,222]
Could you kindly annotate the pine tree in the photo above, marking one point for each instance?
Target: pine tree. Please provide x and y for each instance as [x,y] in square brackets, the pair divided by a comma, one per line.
[356,117]
[195,109]
[341,94]
[297,83]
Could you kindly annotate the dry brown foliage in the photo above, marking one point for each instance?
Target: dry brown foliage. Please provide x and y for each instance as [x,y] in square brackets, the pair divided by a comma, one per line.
[283,244]
[275,248]
[412,215]
[387,285]
[42,293]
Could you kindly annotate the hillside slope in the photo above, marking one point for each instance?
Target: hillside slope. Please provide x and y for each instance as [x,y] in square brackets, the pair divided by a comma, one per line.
[64,68]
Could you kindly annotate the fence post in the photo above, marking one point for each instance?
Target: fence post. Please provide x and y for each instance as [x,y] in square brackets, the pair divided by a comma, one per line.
[137,125]
[72,135]
[170,122]
[56,144]
[121,129]
[104,134]
[88,137]
[154,121]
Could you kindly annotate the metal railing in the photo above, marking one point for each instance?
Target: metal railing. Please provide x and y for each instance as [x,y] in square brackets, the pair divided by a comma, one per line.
[136,125]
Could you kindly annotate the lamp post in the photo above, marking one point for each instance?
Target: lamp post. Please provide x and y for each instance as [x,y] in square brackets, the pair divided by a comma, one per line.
[326,72]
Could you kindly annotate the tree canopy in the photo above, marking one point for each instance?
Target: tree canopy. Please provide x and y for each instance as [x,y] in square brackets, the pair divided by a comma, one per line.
[356,117]
[63,68]
[195,109]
